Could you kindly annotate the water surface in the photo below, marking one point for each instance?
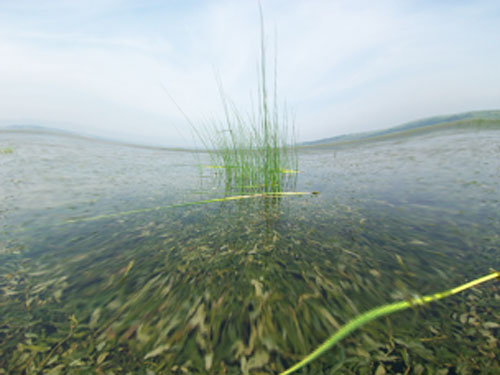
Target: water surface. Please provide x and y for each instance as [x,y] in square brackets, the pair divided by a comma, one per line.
[250,286]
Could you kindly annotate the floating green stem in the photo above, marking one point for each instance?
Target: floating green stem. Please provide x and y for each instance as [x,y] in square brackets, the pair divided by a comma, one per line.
[383,311]
[158,208]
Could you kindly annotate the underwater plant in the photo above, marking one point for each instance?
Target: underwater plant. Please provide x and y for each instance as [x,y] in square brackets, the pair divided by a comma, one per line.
[381,311]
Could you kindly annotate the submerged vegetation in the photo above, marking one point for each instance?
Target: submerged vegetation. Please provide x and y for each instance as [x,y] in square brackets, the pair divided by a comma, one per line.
[385,310]
[242,286]
[256,150]
[271,195]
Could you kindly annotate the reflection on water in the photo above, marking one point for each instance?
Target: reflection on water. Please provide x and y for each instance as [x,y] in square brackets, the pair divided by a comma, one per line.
[247,286]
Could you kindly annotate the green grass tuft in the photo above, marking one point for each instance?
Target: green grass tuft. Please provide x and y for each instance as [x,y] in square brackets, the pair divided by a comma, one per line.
[255,149]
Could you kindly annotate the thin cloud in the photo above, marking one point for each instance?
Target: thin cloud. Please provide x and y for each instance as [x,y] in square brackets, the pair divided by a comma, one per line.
[343,66]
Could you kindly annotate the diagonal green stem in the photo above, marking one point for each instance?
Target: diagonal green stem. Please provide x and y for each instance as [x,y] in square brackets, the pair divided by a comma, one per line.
[157,208]
[383,311]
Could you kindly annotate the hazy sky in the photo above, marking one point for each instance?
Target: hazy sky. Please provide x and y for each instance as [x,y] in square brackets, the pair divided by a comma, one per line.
[98,66]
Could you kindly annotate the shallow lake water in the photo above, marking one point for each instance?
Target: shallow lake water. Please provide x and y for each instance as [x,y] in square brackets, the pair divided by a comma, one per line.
[101,270]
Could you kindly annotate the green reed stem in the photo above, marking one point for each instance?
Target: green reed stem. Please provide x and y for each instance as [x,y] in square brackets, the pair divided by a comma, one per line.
[158,208]
[383,311]
[253,147]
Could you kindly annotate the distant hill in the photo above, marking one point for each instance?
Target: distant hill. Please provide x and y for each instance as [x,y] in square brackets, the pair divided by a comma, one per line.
[472,120]
[42,129]
[468,119]
[37,129]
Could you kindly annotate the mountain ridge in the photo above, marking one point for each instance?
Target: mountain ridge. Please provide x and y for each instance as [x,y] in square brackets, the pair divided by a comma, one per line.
[485,118]
[421,124]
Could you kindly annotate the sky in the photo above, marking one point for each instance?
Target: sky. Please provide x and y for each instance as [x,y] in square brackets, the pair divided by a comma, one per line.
[121,69]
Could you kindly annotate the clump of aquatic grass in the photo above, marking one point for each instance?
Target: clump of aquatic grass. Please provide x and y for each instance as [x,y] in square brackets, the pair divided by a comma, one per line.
[384,311]
[6,150]
[256,149]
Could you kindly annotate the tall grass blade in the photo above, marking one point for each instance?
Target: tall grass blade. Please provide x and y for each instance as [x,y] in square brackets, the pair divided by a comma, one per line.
[253,148]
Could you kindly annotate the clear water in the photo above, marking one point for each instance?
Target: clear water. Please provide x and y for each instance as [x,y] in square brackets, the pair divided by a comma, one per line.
[247,286]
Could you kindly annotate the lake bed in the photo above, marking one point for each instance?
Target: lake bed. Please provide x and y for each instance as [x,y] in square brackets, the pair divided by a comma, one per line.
[100,274]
